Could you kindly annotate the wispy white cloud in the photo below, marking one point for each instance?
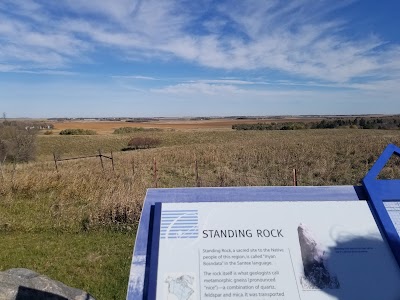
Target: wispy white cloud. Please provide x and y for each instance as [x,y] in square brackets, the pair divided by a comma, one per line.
[198,88]
[230,99]
[191,99]
[385,90]
[295,37]
[134,77]
[228,81]
[8,68]
[30,39]
[48,72]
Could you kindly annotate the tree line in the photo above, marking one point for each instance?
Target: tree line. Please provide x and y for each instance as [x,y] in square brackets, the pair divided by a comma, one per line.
[358,122]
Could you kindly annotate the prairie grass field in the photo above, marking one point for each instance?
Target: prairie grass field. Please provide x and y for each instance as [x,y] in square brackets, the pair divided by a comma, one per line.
[83,211]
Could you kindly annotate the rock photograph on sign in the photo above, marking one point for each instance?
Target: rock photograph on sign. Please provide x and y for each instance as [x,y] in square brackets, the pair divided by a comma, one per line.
[316,273]
[180,286]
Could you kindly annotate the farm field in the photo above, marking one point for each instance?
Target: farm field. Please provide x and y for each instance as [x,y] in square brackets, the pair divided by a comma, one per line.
[105,127]
[90,212]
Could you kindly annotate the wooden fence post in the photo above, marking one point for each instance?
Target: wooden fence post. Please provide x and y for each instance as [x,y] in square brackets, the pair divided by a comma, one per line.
[133,166]
[294,177]
[197,173]
[1,168]
[101,159]
[155,173]
[222,179]
[55,161]
[112,161]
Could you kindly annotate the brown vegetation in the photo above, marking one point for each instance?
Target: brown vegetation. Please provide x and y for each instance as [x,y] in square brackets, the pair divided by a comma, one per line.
[143,143]
[17,142]
[81,196]
[42,210]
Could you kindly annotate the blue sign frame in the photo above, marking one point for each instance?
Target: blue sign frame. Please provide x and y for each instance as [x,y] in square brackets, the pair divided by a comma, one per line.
[384,190]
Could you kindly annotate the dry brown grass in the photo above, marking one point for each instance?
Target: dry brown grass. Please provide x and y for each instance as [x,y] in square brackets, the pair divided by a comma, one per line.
[41,209]
[81,196]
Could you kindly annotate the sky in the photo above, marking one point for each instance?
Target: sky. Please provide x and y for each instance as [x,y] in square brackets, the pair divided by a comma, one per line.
[185,58]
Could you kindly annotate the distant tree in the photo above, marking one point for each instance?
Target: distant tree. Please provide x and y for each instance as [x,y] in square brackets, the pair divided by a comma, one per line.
[17,142]
[362,122]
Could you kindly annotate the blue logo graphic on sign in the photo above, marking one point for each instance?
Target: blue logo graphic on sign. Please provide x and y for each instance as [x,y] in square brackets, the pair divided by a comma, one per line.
[179,224]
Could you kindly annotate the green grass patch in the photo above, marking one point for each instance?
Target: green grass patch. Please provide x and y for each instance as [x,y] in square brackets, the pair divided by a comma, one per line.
[97,262]
[38,211]
[76,145]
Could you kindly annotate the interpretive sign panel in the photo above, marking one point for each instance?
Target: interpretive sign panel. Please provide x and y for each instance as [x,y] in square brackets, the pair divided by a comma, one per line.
[273,250]
[393,209]
[137,287]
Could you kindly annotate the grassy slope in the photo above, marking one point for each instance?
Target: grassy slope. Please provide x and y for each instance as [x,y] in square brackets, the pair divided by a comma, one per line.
[55,223]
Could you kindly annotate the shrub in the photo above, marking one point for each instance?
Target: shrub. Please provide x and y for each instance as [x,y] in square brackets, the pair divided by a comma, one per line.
[77,131]
[124,130]
[17,142]
[48,132]
[142,143]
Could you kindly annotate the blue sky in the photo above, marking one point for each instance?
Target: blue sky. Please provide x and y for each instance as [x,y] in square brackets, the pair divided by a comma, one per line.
[94,58]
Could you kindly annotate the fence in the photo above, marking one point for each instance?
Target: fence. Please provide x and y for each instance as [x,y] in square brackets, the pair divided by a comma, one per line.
[100,156]
[198,180]
[222,179]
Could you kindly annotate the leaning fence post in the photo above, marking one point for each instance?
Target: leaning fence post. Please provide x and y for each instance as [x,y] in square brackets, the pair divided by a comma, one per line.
[294,177]
[55,161]
[101,159]
[155,173]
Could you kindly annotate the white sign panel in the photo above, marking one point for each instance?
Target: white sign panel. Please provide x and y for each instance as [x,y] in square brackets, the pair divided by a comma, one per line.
[273,250]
